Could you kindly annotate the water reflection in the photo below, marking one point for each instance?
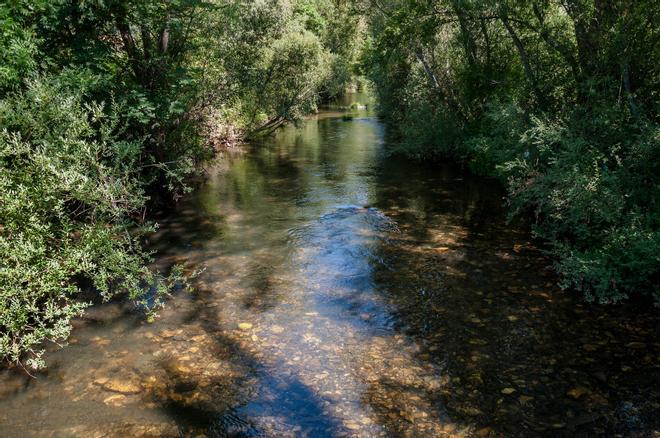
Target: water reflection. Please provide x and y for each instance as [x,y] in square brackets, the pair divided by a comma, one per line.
[347,293]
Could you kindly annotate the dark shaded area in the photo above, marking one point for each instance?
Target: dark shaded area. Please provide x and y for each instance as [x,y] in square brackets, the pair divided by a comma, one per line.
[489,308]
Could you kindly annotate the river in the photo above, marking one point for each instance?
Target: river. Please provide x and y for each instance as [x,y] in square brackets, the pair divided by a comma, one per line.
[347,293]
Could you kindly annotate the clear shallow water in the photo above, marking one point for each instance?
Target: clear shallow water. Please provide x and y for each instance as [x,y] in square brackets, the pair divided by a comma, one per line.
[347,294]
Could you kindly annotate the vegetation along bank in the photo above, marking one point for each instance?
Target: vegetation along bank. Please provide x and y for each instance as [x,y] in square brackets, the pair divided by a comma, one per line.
[108,106]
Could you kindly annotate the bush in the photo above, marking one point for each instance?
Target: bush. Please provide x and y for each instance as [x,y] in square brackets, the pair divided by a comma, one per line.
[17,57]
[593,185]
[558,99]
[75,171]
[68,188]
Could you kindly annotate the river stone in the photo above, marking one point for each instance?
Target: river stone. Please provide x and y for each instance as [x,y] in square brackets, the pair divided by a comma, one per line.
[484,432]
[122,386]
[116,399]
[576,393]
[167,333]
[352,425]
[472,411]
[245,326]
[180,368]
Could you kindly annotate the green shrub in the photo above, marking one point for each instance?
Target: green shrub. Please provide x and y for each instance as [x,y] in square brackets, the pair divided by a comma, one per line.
[558,100]
[17,57]
[593,185]
[68,188]
[107,105]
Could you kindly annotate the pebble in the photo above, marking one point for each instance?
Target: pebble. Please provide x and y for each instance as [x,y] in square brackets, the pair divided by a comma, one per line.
[352,425]
[114,399]
[576,393]
[122,386]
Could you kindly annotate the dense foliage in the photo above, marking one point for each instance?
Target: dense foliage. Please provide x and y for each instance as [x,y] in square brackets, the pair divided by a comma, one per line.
[105,104]
[558,98]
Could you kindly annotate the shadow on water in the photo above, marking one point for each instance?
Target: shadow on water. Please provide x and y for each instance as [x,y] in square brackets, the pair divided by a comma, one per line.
[224,413]
[347,293]
[520,356]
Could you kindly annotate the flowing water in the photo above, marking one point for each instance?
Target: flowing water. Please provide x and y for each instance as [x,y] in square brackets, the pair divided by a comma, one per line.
[347,293]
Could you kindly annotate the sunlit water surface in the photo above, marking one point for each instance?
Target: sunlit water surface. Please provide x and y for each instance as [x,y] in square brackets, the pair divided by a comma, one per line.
[347,293]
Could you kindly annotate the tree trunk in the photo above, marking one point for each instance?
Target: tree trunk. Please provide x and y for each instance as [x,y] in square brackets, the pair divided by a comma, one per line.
[484,32]
[625,76]
[428,70]
[164,41]
[561,49]
[469,45]
[134,56]
[524,58]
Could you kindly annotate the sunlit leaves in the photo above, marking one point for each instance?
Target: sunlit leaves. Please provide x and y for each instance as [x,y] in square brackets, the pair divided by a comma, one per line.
[65,204]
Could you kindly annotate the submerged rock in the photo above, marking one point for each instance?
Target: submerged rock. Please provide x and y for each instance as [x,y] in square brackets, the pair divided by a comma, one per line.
[122,386]
[576,393]
[116,399]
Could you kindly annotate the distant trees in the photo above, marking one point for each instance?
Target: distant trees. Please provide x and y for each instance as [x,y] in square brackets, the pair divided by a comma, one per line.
[557,98]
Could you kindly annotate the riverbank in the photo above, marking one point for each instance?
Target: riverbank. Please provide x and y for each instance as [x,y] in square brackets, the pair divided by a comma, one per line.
[107,108]
[346,293]
[556,100]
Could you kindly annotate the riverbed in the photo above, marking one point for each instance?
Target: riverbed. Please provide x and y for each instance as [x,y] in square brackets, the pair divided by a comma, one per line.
[346,292]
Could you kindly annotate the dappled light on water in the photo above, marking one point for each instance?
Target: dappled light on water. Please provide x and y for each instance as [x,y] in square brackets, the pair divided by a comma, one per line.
[346,293]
